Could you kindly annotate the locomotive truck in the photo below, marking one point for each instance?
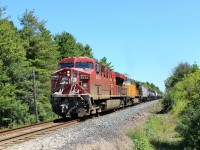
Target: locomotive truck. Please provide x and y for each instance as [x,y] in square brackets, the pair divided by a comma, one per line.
[81,86]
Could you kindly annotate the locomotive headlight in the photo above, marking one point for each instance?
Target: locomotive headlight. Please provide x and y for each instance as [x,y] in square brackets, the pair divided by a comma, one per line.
[68,73]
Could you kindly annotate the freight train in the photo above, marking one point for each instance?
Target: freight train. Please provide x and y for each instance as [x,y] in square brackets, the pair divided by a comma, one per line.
[81,86]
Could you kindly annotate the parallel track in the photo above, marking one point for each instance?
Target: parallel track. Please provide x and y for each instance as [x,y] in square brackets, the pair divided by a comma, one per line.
[18,135]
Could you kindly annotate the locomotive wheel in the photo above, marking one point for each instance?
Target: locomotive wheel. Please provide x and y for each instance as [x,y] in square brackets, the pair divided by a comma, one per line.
[63,116]
[73,116]
[97,114]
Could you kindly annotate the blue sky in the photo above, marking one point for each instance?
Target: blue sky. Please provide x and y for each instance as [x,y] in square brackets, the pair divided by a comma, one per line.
[145,39]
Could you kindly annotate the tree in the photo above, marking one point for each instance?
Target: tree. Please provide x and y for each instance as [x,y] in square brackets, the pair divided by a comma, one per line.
[12,68]
[41,53]
[177,74]
[85,51]
[66,45]
[183,99]
[177,84]
[104,62]
[2,11]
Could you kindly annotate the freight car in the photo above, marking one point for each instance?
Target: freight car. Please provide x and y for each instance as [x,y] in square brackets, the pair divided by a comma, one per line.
[81,86]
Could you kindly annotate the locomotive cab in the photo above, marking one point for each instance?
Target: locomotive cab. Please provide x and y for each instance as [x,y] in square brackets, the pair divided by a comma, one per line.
[70,86]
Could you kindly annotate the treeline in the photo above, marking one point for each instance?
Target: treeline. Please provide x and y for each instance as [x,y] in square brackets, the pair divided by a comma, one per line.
[182,99]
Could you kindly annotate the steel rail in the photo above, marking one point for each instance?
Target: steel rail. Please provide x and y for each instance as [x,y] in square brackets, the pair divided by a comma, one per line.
[6,142]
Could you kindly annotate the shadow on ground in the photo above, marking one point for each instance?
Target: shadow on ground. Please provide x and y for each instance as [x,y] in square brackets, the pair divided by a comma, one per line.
[160,145]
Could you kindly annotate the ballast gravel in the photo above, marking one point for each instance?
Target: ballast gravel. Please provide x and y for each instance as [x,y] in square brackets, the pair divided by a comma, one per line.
[107,132]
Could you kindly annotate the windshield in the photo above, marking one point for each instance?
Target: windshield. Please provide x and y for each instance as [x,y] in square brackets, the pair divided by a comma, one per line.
[88,65]
[66,65]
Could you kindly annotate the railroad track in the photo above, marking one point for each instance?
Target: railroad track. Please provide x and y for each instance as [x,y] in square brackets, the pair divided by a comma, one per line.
[18,135]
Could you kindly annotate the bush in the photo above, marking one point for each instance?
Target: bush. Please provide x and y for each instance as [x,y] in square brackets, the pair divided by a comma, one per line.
[189,127]
[185,91]
[45,112]
[168,102]
[140,140]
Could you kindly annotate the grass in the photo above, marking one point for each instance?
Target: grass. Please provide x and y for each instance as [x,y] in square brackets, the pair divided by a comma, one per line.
[140,140]
[158,132]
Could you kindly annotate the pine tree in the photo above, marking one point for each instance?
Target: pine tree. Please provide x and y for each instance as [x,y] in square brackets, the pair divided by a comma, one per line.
[41,53]
[66,45]
[104,62]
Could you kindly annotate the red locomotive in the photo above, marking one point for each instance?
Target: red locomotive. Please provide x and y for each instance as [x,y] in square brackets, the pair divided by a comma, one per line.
[81,86]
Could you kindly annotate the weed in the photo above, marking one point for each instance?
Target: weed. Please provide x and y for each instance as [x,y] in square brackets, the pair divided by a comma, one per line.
[158,132]
[140,140]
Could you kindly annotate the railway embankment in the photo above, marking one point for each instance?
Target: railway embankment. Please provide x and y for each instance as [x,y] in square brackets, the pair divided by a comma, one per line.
[156,131]
[105,132]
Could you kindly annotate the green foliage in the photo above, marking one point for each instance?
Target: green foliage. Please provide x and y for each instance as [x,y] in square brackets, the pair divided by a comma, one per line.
[181,85]
[45,112]
[42,55]
[158,132]
[140,140]
[38,44]
[189,127]
[183,99]
[66,44]
[178,74]
[103,61]
[68,47]
[12,68]
[85,51]
[2,11]
[185,91]
[152,126]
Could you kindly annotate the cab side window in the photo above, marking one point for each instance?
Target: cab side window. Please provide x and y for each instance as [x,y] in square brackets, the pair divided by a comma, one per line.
[98,68]
[102,70]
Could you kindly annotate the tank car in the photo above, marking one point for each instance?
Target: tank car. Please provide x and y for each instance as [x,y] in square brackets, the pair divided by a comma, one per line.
[144,93]
[151,95]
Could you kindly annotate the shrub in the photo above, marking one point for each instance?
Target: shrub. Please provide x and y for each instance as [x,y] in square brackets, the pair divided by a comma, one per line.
[140,140]
[189,127]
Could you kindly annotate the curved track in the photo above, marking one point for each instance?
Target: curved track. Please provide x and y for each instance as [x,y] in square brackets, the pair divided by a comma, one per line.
[18,135]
